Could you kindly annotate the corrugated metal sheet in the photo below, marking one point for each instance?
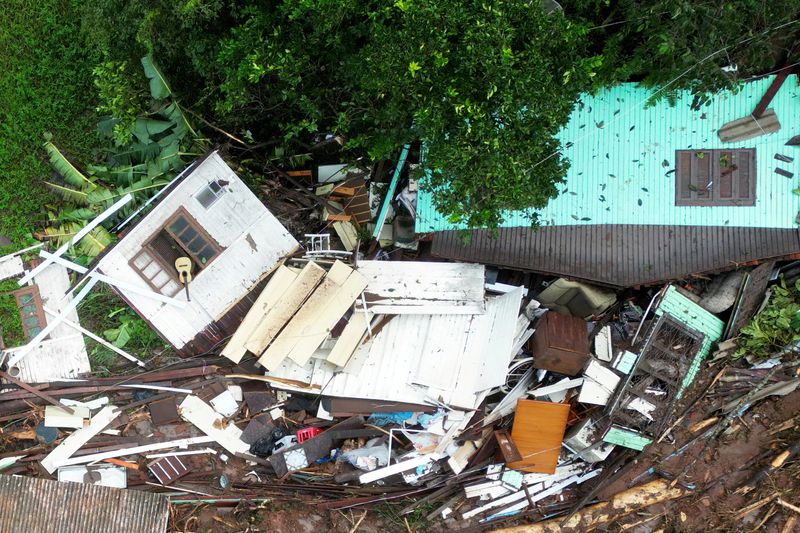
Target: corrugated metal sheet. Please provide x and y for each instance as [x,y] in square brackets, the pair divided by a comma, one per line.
[29,505]
[623,162]
[451,357]
[622,255]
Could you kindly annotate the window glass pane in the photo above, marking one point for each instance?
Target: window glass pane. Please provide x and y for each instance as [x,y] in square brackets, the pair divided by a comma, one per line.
[29,309]
[206,255]
[215,186]
[187,236]
[198,244]
[32,332]
[25,299]
[206,197]
[31,321]
[179,225]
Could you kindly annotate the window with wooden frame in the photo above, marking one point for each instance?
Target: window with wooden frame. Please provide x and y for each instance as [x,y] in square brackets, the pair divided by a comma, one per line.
[715,177]
[31,310]
[181,236]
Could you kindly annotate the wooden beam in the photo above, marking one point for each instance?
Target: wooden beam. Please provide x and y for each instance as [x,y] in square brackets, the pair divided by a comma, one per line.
[194,410]
[61,454]
[46,397]
[96,338]
[772,90]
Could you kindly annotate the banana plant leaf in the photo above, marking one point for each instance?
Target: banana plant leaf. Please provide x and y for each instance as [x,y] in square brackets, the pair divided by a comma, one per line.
[80,214]
[105,127]
[74,196]
[159,89]
[58,234]
[67,170]
[147,128]
[95,242]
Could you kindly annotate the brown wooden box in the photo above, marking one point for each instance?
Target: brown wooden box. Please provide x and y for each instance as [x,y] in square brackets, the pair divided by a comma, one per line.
[560,344]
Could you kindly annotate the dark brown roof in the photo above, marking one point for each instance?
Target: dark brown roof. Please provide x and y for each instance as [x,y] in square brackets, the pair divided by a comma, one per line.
[35,504]
[619,255]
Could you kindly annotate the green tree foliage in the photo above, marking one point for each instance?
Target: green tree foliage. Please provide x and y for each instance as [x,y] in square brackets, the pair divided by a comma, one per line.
[673,45]
[486,85]
[775,326]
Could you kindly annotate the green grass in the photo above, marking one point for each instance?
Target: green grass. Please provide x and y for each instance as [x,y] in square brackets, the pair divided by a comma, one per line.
[103,313]
[45,86]
[10,322]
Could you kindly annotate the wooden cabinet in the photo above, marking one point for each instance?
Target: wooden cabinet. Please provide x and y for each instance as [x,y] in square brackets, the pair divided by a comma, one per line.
[560,343]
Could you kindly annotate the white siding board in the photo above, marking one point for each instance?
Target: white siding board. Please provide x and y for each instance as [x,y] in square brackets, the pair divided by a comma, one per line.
[253,239]
[11,267]
[399,287]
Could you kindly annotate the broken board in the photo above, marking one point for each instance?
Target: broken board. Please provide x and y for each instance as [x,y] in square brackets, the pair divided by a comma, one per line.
[291,300]
[308,328]
[266,301]
[194,410]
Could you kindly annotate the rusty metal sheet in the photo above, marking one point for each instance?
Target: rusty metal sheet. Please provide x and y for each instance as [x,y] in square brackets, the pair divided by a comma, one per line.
[32,504]
[620,255]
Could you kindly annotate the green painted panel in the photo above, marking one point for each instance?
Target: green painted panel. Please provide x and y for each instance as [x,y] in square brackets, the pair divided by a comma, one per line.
[696,317]
[626,438]
[623,159]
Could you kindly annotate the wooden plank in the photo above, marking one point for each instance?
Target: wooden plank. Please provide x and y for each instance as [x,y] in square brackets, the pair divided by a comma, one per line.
[124,452]
[309,319]
[507,447]
[397,468]
[194,410]
[350,338]
[772,90]
[749,127]
[291,300]
[269,298]
[538,431]
[36,392]
[318,317]
[74,442]
[337,217]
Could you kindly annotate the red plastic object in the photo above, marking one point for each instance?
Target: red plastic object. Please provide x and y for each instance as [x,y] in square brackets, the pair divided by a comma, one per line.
[307,433]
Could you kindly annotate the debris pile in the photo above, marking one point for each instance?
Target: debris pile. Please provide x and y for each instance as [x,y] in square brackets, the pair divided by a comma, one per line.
[458,393]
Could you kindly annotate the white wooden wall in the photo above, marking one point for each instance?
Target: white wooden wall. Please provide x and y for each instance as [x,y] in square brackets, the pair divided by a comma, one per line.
[253,239]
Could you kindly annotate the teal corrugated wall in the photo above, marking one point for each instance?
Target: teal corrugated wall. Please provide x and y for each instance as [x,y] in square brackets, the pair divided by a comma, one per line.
[623,152]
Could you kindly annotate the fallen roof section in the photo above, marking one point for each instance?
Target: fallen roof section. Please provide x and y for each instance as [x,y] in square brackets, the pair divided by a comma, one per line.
[34,504]
[403,287]
[410,360]
[622,255]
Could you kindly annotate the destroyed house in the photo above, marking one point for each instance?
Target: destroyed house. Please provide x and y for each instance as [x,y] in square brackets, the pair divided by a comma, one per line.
[233,242]
[653,193]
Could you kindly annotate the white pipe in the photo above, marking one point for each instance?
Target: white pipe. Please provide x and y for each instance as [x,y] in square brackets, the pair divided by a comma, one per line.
[124,285]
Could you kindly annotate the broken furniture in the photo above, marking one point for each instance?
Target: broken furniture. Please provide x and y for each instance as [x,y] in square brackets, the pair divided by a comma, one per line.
[560,344]
[537,433]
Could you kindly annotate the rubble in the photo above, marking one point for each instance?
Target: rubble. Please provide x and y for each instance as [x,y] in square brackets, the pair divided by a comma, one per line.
[342,380]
